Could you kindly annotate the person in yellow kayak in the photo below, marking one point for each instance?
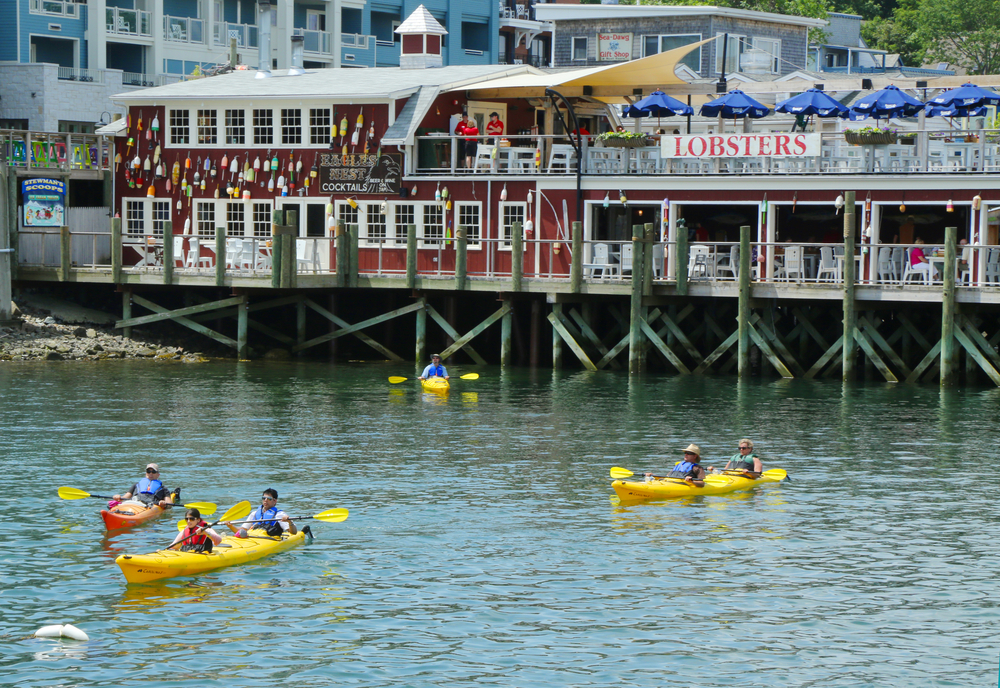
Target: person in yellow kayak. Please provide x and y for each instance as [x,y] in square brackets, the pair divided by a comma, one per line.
[197,536]
[149,490]
[435,369]
[688,469]
[266,517]
[746,461]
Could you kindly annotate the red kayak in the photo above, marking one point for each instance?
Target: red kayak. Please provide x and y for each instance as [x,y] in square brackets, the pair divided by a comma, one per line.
[130,513]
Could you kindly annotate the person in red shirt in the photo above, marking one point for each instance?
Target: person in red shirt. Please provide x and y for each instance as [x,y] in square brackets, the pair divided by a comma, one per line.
[494,127]
[460,131]
[471,133]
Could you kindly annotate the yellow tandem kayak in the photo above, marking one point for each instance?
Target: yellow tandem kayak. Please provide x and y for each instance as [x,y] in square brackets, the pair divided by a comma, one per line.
[168,563]
[665,488]
[437,385]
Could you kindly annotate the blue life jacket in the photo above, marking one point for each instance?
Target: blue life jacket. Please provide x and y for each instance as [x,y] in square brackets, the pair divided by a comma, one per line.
[273,527]
[435,370]
[683,470]
[150,487]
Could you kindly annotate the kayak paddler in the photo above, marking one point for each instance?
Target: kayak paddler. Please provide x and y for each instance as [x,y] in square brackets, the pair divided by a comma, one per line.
[688,469]
[745,461]
[266,517]
[435,369]
[149,490]
[197,536]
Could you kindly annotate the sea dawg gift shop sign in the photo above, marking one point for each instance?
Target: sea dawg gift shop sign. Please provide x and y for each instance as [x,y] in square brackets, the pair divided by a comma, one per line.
[614,47]
[741,146]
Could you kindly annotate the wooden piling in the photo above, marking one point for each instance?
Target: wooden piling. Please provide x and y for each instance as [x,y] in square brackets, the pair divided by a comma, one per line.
[343,256]
[505,333]
[300,322]
[64,254]
[421,340]
[682,260]
[949,358]
[517,257]
[352,268]
[649,239]
[850,350]
[743,312]
[127,311]
[576,267]
[461,255]
[242,315]
[168,252]
[289,249]
[635,336]
[116,250]
[411,258]
[277,219]
[220,255]
[557,342]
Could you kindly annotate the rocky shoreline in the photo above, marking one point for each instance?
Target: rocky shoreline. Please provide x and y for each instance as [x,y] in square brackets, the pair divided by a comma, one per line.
[38,335]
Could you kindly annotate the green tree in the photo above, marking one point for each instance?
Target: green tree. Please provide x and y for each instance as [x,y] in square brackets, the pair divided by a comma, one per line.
[962,32]
[798,8]
[899,34]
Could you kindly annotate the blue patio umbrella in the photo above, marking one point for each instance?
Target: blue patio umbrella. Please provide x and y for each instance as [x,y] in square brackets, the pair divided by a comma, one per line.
[884,104]
[734,105]
[954,111]
[966,96]
[812,102]
[657,104]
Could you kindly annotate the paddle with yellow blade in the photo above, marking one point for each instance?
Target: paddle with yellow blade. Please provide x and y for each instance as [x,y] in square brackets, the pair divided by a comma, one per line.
[618,473]
[775,474]
[207,508]
[468,376]
[234,513]
[328,516]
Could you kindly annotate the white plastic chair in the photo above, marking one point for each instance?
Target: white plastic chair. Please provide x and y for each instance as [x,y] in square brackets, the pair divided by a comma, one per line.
[992,273]
[698,255]
[179,250]
[194,258]
[910,270]
[792,264]
[728,263]
[600,261]
[965,273]
[562,154]
[626,259]
[658,253]
[248,255]
[484,157]
[827,265]
[307,254]
[886,269]
[898,257]
[234,252]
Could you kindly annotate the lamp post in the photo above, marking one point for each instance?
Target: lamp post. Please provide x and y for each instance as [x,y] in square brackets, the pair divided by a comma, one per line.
[575,141]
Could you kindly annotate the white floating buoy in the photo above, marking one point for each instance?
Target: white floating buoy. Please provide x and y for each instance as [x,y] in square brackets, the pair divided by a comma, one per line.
[61,631]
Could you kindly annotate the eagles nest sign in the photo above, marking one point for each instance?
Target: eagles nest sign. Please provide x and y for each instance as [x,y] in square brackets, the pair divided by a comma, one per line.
[359,174]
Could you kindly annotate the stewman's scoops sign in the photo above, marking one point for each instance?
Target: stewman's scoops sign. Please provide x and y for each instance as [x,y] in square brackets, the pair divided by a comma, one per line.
[359,174]
[614,47]
[741,146]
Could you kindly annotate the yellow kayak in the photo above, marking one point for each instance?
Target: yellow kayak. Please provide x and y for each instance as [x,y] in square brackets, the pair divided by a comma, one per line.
[665,488]
[168,563]
[437,385]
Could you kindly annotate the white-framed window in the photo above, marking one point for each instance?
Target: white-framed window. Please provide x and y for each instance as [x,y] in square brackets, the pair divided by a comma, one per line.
[510,213]
[469,215]
[146,216]
[180,127]
[262,219]
[430,232]
[319,126]
[737,45]
[291,126]
[579,47]
[347,215]
[235,219]
[771,46]
[263,125]
[375,225]
[208,132]
[236,127]
[205,218]
[403,215]
[660,43]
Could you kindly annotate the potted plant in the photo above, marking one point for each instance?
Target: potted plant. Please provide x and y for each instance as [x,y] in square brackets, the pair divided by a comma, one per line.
[870,136]
[624,139]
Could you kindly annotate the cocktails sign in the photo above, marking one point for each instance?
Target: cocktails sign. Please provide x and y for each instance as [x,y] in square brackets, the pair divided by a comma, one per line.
[614,47]
[359,174]
[44,204]
[741,146]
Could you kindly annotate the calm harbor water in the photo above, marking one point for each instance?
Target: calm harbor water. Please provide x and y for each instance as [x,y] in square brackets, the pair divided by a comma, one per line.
[485,546]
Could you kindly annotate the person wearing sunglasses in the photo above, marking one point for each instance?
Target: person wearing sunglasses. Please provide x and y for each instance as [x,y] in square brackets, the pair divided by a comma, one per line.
[745,460]
[688,469]
[197,536]
[149,490]
[266,517]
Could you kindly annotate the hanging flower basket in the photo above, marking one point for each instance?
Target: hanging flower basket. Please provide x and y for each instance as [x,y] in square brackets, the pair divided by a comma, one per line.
[881,138]
[627,143]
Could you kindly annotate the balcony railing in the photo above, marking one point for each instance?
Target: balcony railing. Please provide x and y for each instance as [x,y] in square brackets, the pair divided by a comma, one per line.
[355,40]
[316,42]
[95,76]
[533,60]
[122,22]
[183,29]
[245,34]
[919,152]
[63,8]
[47,151]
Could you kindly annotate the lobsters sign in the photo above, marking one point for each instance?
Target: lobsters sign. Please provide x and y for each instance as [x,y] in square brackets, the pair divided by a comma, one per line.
[741,146]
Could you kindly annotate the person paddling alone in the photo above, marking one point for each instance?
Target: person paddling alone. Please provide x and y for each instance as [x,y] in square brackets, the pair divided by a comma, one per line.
[688,469]
[746,461]
[149,490]
[266,517]
[197,537]
[435,369]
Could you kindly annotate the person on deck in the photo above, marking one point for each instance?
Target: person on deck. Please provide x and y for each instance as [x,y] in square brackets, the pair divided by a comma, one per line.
[149,490]
[197,536]
[745,461]
[494,127]
[919,262]
[471,141]
[435,369]
[266,517]
[688,469]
